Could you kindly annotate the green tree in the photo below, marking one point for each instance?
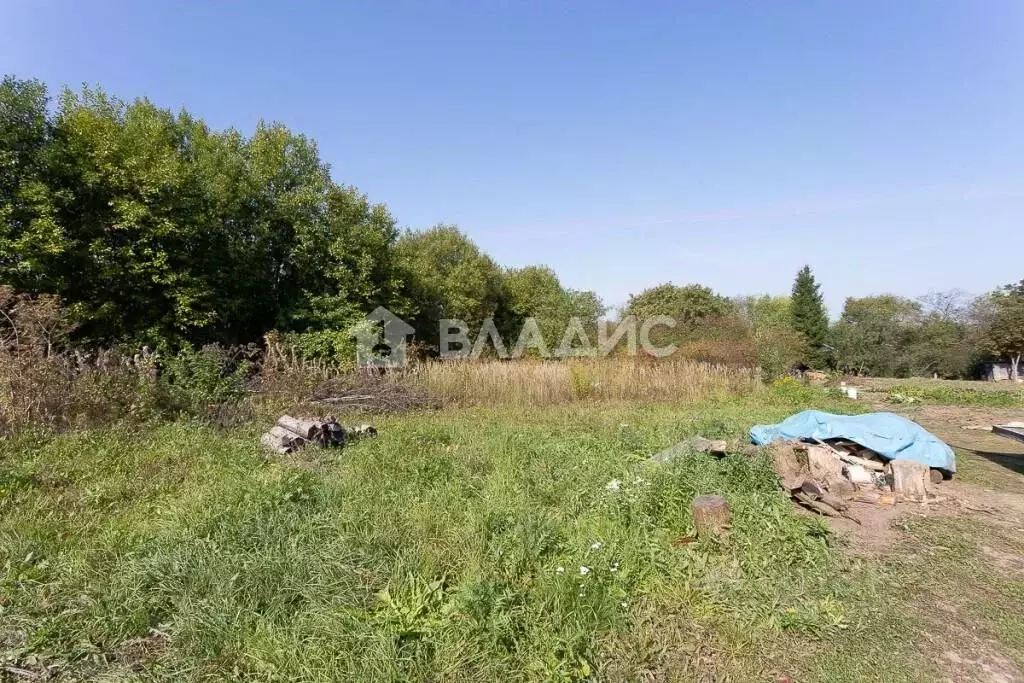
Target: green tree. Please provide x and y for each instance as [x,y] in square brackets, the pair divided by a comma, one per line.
[942,343]
[587,306]
[873,334]
[765,311]
[688,305]
[350,266]
[697,311]
[779,347]
[30,237]
[536,292]
[121,186]
[809,316]
[1004,325]
[154,228]
[447,276]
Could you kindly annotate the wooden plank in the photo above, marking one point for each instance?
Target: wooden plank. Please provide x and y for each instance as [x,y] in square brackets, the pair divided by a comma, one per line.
[853,459]
[1010,431]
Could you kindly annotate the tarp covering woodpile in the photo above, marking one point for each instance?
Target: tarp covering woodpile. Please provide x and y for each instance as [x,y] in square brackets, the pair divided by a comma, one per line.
[890,436]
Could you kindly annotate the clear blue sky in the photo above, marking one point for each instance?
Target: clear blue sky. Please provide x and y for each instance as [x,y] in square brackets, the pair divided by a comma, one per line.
[623,144]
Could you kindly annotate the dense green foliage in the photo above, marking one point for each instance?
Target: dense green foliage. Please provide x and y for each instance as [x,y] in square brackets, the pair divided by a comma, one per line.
[892,336]
[1004,332]
[688,306]
[807,309]
[535,291]
[153,228]
[695,310]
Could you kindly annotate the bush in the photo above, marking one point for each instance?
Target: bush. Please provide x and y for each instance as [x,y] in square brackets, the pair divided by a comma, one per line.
[778,350]
[42,384]
[197,381]
[332,347]
[723,340]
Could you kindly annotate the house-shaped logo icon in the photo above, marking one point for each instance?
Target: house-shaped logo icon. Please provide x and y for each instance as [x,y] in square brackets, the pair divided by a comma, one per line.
[381,343]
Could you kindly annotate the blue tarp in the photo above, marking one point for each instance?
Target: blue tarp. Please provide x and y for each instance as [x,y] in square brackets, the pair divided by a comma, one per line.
[889,435]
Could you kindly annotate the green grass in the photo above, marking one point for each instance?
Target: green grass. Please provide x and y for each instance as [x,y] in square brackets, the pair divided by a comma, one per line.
[449,548]
[954,395]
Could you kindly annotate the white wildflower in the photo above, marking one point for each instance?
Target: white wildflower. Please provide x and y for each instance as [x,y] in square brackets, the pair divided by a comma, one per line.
[613,485]
[584,571]
[560,570]
[596,545]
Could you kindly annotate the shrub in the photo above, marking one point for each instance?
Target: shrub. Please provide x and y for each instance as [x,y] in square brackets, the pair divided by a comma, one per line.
[44,385]
[332,347]
[197,381]
[778,350]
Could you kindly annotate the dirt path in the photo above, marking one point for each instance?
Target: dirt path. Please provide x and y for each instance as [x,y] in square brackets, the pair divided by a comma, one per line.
[985,504]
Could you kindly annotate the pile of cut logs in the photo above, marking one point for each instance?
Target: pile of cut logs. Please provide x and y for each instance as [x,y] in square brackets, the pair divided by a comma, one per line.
[826,476]
[290,433]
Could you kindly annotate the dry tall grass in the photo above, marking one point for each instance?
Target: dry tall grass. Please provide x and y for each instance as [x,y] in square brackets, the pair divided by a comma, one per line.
[519,383]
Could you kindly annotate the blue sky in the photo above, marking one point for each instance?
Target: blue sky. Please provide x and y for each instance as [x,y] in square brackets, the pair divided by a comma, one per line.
[623,144]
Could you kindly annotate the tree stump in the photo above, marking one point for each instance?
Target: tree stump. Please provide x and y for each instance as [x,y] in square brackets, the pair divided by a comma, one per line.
[909,479]
[711,515]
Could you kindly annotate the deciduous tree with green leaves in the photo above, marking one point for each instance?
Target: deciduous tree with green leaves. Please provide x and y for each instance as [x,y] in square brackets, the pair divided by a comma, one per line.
[1004,325]
[447,276]
[688,305]
[873,334]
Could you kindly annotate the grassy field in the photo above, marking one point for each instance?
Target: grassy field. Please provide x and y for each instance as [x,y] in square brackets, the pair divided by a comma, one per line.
[475,543]
[946,392]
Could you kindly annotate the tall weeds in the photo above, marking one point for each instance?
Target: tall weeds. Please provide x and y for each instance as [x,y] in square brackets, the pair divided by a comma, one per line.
[46,382]
[522,383]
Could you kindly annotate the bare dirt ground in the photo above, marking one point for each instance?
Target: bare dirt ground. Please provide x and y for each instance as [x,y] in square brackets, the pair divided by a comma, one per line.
[985,506]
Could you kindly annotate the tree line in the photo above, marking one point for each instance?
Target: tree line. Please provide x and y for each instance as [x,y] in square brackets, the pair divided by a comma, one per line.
[946,334]
[154,229]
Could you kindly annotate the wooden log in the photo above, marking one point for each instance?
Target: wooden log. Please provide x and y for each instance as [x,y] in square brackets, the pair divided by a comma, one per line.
[811,488]
[908,478]
[863,462]
[276,445]
[711,515]
[824,464]
[818,506]
[852,459]
[307,429]
[281,440]
[285,435]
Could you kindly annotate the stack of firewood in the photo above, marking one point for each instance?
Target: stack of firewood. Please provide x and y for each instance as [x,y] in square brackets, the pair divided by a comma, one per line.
[290,433]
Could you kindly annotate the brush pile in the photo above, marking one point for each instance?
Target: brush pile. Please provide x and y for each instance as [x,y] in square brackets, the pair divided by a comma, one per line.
[290,434]
[364,393]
